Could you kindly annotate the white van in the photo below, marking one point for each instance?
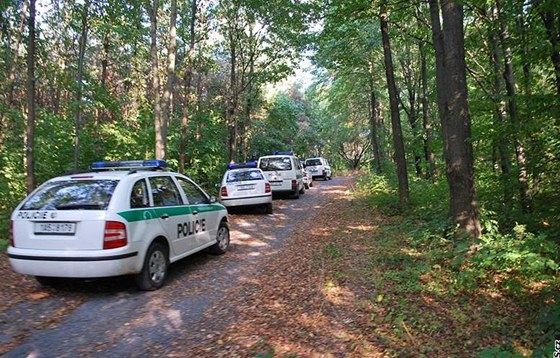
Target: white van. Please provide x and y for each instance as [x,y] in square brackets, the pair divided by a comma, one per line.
[318,168]
[284,173]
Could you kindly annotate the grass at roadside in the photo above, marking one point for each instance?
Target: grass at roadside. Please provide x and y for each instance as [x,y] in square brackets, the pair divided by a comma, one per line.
[434,302]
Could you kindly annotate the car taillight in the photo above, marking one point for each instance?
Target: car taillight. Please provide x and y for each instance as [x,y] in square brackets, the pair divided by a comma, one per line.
[223,191]
[266,187]
[294,184]
[115,235]
[11,234]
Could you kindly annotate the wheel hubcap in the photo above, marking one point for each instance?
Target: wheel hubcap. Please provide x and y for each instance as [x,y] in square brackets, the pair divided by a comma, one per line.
[223,238]
[157,266]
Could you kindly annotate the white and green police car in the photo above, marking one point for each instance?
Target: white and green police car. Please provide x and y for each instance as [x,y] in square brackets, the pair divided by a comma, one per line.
[122,218]
[245,185]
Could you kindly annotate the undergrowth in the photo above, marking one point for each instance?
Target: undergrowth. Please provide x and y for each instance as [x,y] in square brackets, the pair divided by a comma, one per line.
[508,266]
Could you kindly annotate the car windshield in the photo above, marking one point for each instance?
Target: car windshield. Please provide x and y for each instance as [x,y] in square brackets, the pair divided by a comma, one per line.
[311,162]
[243,175]
[72,195]
[275,163]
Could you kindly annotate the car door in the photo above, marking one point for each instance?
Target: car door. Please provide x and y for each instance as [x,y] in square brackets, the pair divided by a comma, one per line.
[173,215]
[204,218]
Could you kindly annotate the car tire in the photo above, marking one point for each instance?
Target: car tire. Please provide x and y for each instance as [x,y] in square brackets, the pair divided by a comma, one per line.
[296,194]
[154,270]
[46,281]
[222,240]
[268,208]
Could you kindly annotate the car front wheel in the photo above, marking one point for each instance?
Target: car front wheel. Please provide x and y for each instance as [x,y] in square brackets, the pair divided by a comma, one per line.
[154,271]
[222,240]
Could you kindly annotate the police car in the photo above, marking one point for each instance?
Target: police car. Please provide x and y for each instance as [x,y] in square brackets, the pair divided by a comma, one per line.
[245,185]
[122,218]
[307,178]
[284,173]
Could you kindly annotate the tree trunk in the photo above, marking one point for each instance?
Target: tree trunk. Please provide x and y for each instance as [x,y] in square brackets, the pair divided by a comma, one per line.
[168,92]
[8,86]
[500,112]
[454,113]
[525,199]
[231,107]
[431,168]
[548,11]
[160,131]
[188,87]
[372,106]
[30,127]
[402,174]
[79,88]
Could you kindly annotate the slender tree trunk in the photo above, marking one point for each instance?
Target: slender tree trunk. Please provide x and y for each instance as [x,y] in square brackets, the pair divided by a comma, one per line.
[8,86]
[231,117]
[168,92]
[525,198]
[188,87]
[549,11]
[431,168]
[30,127]
[500,111]
[79,88]
[402,174]
[372,106]
[454,112]
[160,131]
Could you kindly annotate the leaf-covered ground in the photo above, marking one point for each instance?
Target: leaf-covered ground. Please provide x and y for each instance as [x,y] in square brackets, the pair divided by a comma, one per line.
[343,286]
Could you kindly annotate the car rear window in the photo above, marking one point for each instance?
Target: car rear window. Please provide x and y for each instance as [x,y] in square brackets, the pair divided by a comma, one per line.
[275,163]
[311,162]
[244,175]
[72,195]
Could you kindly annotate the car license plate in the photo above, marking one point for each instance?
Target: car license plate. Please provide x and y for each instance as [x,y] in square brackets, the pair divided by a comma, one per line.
[55,228]
[276,183]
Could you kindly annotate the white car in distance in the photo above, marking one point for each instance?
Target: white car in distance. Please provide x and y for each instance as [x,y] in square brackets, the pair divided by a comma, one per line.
[245,185]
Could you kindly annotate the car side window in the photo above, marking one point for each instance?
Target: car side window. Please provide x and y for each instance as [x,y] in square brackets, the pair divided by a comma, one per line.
[139,195]
[164,191]
[193,193]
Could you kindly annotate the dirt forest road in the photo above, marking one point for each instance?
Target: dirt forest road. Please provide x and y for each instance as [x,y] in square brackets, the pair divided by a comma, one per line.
[111,318]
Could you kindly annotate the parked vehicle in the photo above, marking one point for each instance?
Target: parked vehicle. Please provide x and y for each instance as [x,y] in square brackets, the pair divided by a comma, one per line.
[307,179]
[318,168]
[245,185]
[284,173]
[122,218]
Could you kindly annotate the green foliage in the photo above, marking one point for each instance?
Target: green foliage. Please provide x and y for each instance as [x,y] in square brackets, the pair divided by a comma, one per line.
[519,257]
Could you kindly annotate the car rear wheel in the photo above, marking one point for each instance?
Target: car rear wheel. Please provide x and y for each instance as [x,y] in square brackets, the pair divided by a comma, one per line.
[46,281]
[154,271]
[222,240]
[268,208]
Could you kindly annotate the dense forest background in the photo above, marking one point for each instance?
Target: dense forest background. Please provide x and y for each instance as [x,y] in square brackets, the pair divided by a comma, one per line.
[457,100]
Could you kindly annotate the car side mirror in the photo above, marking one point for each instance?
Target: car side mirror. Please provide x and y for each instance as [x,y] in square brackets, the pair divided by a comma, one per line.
[213,199]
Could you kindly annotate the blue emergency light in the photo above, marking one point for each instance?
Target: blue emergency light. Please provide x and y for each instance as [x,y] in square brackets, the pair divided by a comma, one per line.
[289,152]
[130,164]
[242,165]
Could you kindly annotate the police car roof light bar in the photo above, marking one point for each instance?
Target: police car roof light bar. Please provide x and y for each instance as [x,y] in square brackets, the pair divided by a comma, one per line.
[242,165]
[129,164]
[288,152]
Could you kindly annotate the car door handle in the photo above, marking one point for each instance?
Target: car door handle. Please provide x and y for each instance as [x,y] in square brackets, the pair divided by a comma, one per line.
[165,216]
[195,212]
